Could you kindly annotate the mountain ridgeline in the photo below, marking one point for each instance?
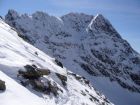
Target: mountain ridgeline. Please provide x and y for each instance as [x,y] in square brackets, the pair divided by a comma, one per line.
[85,44]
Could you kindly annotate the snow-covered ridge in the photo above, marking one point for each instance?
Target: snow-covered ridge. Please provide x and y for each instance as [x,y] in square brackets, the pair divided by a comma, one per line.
[33,78]
[87,45]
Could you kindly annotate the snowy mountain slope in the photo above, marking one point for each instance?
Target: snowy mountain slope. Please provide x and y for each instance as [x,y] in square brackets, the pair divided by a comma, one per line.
[16,94]
[86,45]
[33,78]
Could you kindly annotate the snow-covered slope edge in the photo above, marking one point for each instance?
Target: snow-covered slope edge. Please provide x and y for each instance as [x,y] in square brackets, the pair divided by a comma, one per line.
[20,63]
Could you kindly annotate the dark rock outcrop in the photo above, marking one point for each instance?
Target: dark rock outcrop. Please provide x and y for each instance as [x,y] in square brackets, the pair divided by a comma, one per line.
[2,86]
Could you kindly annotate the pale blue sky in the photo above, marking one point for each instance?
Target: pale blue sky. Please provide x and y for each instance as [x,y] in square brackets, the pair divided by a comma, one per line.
[123,14]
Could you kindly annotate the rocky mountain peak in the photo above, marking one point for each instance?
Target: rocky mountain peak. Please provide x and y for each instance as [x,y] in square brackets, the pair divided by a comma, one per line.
[77,21]
[11,15]
[100,24]
[88,45]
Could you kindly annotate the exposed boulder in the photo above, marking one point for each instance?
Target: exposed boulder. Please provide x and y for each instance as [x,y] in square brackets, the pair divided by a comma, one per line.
[32,76]
[38,85]
[58,63]
[32,72]
[62,78]
[2,86]
[43,71]
[52,88]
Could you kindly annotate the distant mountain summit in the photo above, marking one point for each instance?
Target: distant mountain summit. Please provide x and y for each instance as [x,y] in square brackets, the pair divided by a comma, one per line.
[89,46]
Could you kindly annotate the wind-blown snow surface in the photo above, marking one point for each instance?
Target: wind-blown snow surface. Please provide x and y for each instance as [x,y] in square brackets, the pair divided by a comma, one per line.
[88,45]
[16,53]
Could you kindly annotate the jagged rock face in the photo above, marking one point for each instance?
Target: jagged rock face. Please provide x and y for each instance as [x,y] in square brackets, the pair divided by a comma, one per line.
[82,43]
